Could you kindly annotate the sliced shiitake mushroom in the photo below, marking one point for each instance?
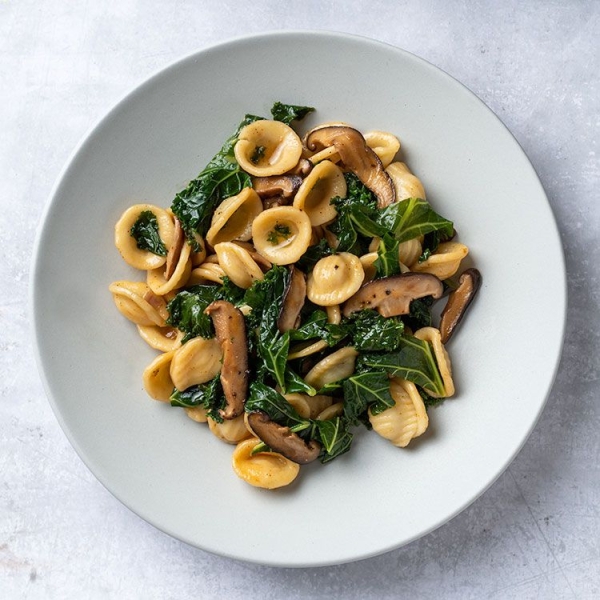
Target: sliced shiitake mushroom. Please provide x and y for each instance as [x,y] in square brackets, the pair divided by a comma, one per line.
[230,330]
[282,439]
[285,186]
[391,296]
[357,157]
[293,301]
[458,302]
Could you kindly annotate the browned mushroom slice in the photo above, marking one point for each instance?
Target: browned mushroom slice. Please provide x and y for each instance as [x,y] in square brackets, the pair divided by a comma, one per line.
[277,185]
[175,250]
[303,168]
[391,296]
[293,301]
[275,201]
[282,439]
[230,331]
[357,157]
[458,302]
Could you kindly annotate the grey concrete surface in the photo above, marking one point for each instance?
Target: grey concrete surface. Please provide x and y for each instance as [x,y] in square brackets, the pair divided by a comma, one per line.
[535,533]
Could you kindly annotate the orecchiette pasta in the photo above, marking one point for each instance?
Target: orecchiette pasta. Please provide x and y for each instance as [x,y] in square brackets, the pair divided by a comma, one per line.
[404,421]
[334,279]
[336,366]
[233,218]
[433,336]
[238,265]
[282,317]
[134,302]
[444,262]
[268,470]
[127,244]
[325,182]
[267,148]
[282,234]
[197,361]
[407,185]
[384,144]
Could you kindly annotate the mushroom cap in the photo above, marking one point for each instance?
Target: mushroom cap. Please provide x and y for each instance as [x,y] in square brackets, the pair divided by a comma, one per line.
[458,302]
[285,186]
[391,296]
[357,157]
[282,439]
[293,300]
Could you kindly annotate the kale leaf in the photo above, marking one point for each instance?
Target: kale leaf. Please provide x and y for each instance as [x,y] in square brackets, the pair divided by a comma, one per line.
[413,360]
[334,437]
[208,395]
[371,332]
[221,178]
[316,326]
[420,313]
[364,390]
[145,232]
[314,254]
[356,220]
[186,310]
[286,113]
[411,218]
[388,260]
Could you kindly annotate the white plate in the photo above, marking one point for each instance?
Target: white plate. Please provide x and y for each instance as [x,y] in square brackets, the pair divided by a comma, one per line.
[172,471]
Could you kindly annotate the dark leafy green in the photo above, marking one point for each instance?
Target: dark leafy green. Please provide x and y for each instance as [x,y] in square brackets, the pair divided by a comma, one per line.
[317,327]
[388,261]
[286,113]
[414,361]
[356,220]
[221,178]
[411,218]
[364,390]
[333,434]
[208,395]
[420,313]
[372,332]
[186,310]
[145,232]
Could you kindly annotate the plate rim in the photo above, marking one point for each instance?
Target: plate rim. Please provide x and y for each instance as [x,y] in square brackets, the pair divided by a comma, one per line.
[139,88]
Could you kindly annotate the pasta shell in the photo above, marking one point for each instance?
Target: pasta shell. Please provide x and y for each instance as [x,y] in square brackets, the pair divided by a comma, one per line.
[331,412]
[406,184]
[231,431]
[304,349]
[410,251]
[334,314]
[127,245]
[444,262]
[232,220]
[334,279]
[434,337]
[384,144]
[157,377]
[405,420]
[300,404]
[325,182]
[196,413]
[267,148]
[197,361]
[131,299]
[368,264]
[156,277]
[199,256]
[164,339]
[238,265]
[281,234]
[336,366]
[268,470]
[206,273]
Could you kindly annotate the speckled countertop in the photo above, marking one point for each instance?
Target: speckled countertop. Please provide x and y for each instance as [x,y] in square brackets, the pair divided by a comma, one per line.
[535,533]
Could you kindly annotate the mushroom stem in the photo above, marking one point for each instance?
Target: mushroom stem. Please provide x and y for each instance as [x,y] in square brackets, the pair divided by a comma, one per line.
[230,330]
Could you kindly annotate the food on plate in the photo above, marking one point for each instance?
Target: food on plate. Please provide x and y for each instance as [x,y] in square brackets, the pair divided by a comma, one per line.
[289,290]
